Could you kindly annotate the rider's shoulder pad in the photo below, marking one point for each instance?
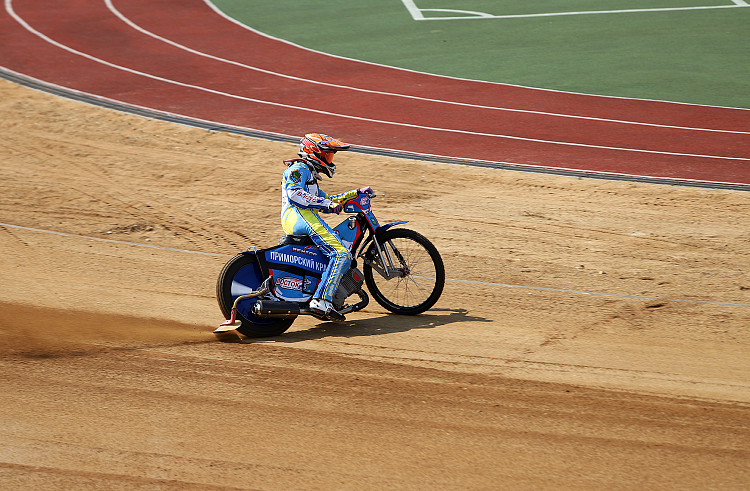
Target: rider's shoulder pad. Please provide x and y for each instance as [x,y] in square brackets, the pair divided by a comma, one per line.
[298,173]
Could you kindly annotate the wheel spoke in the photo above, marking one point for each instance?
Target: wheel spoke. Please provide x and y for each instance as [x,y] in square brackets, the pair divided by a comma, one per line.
[420,282]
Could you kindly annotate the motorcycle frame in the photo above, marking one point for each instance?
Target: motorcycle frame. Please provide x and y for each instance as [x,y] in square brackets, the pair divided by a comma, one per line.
[367,221]
[367,229]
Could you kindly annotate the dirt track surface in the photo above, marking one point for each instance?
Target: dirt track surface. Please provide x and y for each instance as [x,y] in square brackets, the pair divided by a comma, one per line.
[112,379]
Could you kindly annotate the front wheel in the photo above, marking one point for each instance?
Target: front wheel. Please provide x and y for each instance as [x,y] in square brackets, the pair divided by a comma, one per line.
[417,273]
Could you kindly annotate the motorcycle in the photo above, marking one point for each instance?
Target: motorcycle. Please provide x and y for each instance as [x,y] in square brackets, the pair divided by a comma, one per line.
[262,291]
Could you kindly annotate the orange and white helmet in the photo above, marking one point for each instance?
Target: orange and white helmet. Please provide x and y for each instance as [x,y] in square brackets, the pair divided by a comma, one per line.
[318,150]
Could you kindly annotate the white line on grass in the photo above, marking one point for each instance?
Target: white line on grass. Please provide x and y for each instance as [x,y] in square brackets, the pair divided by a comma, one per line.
[417,14]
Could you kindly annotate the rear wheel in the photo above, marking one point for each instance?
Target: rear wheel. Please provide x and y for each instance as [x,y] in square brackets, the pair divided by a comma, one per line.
[240,276]
[419,277]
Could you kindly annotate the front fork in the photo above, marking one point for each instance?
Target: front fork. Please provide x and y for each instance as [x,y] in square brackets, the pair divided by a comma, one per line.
[384,263]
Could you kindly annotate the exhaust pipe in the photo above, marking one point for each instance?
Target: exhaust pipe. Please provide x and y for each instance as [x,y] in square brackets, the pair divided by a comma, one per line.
[270,309]
[274,309]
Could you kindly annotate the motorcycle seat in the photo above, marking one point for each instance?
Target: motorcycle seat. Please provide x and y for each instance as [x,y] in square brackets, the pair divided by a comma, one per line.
[299,240]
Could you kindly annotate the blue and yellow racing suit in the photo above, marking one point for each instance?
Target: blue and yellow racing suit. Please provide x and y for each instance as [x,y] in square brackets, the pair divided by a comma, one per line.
[301,201]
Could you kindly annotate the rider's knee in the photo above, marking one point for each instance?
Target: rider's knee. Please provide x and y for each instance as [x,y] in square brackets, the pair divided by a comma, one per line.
[345,256]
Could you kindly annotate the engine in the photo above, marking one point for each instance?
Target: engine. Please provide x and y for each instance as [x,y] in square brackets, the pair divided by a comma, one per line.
[351,282]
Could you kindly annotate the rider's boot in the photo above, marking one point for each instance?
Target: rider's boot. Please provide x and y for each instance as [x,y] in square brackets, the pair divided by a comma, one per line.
[323,309]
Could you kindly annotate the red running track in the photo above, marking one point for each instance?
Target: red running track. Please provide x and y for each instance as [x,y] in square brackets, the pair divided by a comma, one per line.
[183,57]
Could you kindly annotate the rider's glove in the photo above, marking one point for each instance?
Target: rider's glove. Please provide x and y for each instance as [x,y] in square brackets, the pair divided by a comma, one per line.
[368,191]
[334,208]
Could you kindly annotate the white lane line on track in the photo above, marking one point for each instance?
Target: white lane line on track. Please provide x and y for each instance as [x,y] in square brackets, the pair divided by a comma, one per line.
[499,285]
[28,27]
[148,112]
[138,28]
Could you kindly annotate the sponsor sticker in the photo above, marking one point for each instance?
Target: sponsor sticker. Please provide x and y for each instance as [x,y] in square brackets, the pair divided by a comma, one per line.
[295,260]
[296,175]
[292,283]
[308,251]
[309,198]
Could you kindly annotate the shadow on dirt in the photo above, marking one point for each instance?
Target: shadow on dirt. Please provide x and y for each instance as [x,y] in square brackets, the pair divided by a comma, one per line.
[385,324]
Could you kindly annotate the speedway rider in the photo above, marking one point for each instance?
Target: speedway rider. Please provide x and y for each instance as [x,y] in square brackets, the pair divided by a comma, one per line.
[301,202]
